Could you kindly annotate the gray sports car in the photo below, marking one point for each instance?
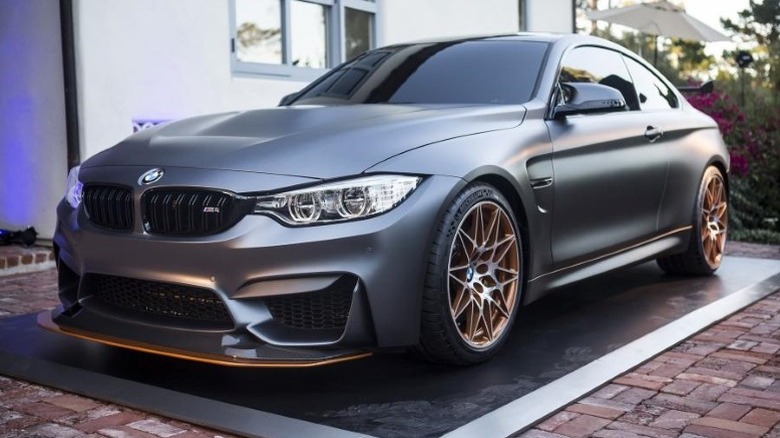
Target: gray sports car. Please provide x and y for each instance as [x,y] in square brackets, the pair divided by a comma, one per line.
[414,196]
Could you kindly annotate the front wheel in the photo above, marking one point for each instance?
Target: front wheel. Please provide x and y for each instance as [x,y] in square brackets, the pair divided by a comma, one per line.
[708,239]
[474,279]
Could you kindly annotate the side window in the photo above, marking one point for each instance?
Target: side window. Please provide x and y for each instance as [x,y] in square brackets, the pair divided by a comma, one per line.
[653,92]
[599,66]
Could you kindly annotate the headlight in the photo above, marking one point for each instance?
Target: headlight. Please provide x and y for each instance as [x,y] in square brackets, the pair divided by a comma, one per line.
[352,199]
[73,188]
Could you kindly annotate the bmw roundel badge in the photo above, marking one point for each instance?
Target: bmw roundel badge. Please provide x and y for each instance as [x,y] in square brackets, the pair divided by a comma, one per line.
[150,176]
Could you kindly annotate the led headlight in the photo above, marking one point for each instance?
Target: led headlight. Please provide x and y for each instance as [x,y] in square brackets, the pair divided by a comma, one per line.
[73,188]
[344,200]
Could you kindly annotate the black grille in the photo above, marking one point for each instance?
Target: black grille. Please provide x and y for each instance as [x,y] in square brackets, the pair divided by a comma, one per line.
[172,301]
[109,206]
[191,212]
[325,309]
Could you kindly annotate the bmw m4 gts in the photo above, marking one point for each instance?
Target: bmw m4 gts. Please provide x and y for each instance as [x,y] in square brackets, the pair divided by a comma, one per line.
[415,196]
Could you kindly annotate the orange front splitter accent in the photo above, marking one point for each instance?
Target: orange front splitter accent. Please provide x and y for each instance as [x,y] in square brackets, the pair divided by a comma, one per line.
[45,321]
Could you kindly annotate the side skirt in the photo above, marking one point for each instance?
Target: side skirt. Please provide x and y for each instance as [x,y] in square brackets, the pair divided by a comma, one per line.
[668,243]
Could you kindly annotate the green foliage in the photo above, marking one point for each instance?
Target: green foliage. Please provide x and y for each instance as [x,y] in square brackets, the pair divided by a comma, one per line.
[756,236]
[753,140]
[761,23]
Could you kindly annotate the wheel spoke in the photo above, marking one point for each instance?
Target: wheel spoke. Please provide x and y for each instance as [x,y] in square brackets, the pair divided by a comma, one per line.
[458,268]
[461,302]
[473,321]
[490,231]
[510,240]
[488,322]
[509,271]
[469,252]
[460,281]
[501,304]
[478,226]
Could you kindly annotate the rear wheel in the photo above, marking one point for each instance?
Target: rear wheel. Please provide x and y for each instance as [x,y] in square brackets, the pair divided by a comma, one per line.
[705,251]
[474,279]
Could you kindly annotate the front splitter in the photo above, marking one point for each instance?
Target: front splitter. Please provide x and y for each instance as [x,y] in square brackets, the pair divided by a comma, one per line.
[45,321]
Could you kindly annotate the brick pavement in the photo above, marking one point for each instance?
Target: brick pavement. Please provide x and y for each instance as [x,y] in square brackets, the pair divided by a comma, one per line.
[723,382]
[30,410]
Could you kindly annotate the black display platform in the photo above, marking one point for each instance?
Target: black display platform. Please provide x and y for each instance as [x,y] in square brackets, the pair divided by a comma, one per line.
[387,395]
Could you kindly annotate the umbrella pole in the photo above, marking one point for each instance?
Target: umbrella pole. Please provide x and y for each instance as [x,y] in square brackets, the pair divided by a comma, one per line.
[655,54]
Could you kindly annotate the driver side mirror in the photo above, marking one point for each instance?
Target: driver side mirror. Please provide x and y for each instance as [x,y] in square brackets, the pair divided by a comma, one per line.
[588,98]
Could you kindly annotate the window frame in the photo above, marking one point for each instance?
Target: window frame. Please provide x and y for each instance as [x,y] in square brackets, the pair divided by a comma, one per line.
[660,78]
[334,45]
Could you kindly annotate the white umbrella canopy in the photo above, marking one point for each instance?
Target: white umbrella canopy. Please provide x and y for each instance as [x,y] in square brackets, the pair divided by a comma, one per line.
[659,18]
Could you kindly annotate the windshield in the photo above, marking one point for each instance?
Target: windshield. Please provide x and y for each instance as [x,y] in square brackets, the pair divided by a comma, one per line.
[497,71]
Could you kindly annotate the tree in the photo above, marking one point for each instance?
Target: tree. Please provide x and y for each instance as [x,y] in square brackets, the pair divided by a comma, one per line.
[761,23]
[689,56]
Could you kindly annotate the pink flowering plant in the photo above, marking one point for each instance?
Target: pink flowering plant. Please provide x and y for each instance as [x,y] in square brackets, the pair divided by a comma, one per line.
[754,147]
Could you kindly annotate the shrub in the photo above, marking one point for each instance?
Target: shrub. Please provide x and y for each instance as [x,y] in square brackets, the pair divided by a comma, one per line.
[754,147]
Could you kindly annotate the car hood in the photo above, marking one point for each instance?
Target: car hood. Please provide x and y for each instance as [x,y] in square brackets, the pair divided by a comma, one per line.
[309,141]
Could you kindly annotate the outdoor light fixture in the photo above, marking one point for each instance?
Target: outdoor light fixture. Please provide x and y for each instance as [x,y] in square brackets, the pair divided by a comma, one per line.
[743,58]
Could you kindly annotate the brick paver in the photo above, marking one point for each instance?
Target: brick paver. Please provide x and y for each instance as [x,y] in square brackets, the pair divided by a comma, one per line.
[723,382]
[29,410]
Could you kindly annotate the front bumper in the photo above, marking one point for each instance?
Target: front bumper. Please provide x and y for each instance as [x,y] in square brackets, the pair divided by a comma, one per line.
[382,260]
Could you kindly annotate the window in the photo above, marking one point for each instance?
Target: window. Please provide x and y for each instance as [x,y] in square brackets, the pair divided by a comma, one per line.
[599,66]
[474,72]
[653,93]
[299,39]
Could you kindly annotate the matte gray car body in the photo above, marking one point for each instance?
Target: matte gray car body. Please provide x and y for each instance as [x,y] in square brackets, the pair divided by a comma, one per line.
[591,193]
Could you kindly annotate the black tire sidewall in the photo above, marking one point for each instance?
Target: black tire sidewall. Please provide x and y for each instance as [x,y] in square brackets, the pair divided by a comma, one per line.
[463,203]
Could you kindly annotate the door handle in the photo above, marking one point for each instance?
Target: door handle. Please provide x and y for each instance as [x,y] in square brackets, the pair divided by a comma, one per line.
[652,133]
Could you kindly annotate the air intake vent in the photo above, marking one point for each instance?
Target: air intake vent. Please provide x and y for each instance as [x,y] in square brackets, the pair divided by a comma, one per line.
[109,206]
[191,212]
[321,310]
[178,304]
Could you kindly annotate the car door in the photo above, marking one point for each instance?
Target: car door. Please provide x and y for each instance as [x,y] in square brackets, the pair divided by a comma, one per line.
[609,168]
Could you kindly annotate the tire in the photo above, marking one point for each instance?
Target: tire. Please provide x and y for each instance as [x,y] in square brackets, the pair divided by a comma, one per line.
[475,261]
[710,227]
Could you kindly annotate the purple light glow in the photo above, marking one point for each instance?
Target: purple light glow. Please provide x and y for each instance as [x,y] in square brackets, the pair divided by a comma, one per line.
[33,148]
[17,122]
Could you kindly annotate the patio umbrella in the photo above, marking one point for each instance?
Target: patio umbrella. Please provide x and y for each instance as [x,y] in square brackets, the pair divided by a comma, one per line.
[659,18]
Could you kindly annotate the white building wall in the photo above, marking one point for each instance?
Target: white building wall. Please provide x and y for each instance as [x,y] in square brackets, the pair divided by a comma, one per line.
[409,20]
[160,60]
[170,59]
[549,16]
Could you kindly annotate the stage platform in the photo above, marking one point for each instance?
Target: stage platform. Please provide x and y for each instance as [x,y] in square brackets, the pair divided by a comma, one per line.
[575,339]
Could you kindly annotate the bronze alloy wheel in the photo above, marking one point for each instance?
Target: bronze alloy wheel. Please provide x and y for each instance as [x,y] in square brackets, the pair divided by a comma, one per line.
[484,268]
[709,228]
[714,219]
